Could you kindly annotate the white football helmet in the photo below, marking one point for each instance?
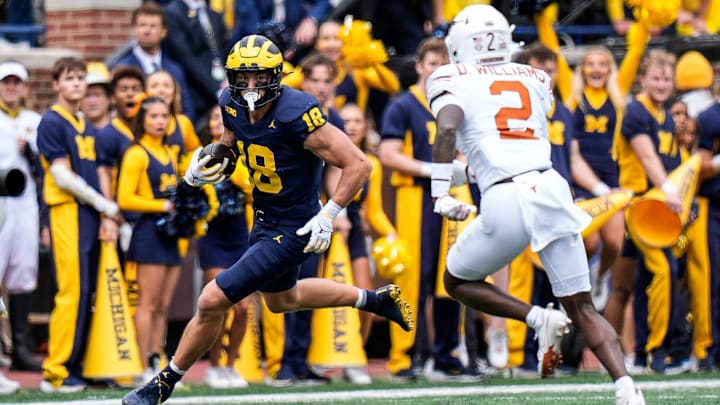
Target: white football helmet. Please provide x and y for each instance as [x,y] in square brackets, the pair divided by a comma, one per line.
[480,35]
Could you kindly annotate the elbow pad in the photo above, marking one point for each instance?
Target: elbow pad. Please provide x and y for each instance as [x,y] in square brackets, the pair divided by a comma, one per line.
[76,185]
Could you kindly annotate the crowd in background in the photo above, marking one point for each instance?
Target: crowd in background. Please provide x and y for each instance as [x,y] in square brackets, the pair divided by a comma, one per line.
[133,121]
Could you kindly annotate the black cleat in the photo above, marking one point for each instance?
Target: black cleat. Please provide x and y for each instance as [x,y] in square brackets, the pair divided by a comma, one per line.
[395,308]
[155,391]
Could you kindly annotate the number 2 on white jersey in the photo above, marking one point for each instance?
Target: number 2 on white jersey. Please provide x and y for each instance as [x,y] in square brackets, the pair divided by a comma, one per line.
[505,114]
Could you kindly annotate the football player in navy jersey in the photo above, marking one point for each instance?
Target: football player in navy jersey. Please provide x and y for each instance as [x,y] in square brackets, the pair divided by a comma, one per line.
[283,138]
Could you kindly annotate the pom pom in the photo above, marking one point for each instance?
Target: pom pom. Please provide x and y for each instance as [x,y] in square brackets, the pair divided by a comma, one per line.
[359,49]
[656,13]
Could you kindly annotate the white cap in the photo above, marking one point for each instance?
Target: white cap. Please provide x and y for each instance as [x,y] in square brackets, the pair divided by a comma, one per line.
[97,73]
[12,68]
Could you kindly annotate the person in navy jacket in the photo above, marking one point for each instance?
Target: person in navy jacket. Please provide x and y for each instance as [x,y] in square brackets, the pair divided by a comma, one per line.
[150,26]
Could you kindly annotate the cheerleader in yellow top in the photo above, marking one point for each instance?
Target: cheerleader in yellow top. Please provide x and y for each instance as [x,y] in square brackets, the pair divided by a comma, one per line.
[596,93]
[148,169]
[360,63]
[181,136]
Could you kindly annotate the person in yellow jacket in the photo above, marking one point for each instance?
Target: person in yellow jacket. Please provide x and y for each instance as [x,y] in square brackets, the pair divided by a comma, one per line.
[148,170]
[595,93]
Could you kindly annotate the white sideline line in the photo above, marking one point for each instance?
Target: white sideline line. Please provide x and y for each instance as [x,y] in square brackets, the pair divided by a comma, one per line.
[405,393]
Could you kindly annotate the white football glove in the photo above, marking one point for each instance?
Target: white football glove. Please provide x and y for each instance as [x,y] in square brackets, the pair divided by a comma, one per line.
[197,174]
[453,209]
[320,228]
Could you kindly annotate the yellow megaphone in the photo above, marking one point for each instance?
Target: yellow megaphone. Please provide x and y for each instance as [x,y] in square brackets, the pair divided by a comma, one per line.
[600,210]
[650,220]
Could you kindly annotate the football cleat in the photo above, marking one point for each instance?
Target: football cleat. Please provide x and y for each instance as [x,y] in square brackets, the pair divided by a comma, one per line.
[155,391]
[549,335]
[395,308]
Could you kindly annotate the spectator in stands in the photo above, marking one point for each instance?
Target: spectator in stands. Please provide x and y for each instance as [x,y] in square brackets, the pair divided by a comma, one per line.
[300,17]
[150,26]
[19,237]
[197,40]
[79,217]
[95,106]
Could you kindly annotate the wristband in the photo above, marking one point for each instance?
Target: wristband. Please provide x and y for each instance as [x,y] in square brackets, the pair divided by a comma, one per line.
[668,188]
[331,209]
[440,181]
[426,169]
[600,189]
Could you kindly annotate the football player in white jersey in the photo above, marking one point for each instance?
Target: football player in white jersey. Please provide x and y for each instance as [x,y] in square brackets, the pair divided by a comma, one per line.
[494,111]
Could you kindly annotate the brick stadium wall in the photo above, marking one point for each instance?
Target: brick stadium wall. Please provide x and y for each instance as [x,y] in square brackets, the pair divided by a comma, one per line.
[94,33]
[41,93]
[93,28]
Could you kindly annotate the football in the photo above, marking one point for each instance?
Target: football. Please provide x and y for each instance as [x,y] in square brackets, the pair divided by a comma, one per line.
[219,152]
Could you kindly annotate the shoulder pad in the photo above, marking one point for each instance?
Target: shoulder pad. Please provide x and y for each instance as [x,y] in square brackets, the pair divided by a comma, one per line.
[293,103]
[224,98]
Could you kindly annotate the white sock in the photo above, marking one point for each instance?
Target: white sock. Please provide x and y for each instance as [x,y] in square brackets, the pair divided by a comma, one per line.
[175,368]
[534,318]
[362,298]
[624,384]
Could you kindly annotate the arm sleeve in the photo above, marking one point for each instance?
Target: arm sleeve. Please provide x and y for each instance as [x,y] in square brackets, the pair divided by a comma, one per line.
[134,167]
[548,37]
[373,202]
[379,77]
[637,38]
[615,10]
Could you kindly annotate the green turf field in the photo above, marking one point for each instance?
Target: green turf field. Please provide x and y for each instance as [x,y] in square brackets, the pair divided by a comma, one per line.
[587,388]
